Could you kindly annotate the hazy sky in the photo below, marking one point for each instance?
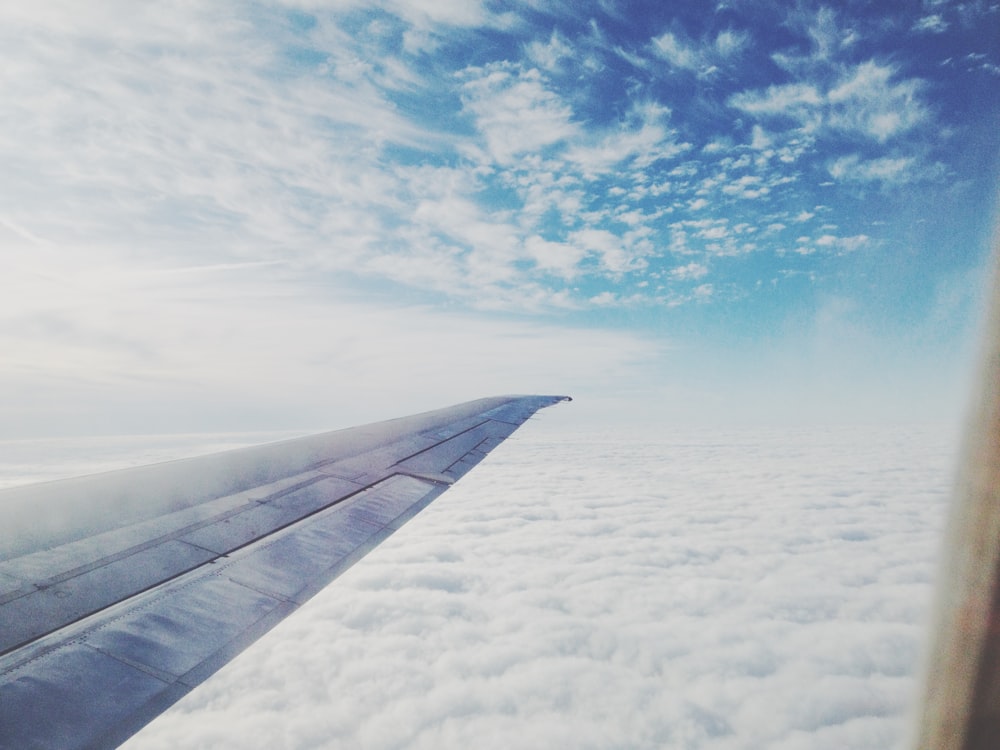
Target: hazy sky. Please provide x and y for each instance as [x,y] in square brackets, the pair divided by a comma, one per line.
[304,214]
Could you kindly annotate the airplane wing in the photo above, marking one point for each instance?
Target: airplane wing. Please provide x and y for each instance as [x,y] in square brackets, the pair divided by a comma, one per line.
[121,592]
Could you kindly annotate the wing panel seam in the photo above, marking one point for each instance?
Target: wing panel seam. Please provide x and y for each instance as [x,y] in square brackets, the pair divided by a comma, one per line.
[442,442]
[462,457]
[158,674]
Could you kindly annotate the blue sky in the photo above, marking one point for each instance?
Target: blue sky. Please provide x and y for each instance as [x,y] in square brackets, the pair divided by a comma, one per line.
[263,215]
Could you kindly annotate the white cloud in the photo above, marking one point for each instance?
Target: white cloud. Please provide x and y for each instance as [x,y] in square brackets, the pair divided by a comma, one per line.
[514,111]
[865,99]
[614,255]
[604,299]
[843,244]
[747,186]
[826,33]
[884,169]
[643,138]
[560,258]
[676,52]
[760,139]
[729,43]
[828,36]
[689,272]
[424,22]
[549,55]
[933,24]
[717,232]
[701,57]
[795,100]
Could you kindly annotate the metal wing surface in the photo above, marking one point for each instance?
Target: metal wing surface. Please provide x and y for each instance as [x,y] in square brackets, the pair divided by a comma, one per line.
[120,592]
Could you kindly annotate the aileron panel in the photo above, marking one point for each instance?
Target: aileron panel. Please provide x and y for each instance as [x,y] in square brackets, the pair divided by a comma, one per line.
[176,632]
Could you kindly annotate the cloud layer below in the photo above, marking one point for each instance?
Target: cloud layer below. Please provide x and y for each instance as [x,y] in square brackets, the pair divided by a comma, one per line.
[694,589]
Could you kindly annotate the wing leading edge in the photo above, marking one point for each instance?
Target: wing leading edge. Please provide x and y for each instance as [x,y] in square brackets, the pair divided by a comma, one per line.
[121,592]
